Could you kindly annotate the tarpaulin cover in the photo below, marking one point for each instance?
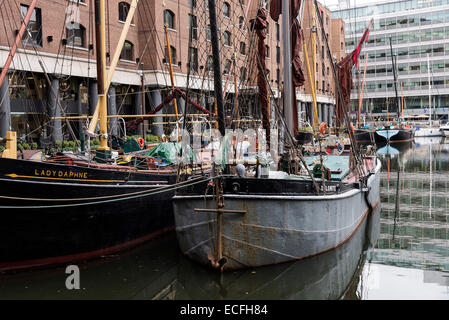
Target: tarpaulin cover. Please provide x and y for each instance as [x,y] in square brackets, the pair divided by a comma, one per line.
[171,151]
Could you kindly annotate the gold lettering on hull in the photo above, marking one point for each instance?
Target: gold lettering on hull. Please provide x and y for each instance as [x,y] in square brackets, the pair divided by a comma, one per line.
[60,174]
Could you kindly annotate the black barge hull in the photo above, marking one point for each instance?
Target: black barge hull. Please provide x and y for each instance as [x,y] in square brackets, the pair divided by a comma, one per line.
[53,213]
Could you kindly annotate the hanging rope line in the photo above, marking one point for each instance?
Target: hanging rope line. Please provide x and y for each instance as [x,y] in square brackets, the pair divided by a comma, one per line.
[108,199]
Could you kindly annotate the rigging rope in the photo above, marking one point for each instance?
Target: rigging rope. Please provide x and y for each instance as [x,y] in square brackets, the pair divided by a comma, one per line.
[134,196]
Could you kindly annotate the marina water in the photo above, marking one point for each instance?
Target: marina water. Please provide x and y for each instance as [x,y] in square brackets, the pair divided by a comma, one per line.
[402,253]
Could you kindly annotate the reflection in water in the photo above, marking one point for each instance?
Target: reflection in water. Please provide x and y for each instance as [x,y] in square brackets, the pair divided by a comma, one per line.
[403,253]
[414,221]
[158,271]
[325,276]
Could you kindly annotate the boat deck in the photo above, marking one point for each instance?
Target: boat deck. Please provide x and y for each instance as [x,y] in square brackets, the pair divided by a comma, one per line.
[339,165]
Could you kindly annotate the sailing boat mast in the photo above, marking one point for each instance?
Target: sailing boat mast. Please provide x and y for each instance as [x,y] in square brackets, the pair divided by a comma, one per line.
[217,66]
[430,87]
[288,85]
[395,80]
[100,41]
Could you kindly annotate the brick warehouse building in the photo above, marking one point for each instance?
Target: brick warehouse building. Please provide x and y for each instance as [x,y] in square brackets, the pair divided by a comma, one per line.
[66,50]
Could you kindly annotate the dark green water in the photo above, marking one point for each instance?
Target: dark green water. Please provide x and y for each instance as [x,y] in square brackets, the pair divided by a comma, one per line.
[403,253]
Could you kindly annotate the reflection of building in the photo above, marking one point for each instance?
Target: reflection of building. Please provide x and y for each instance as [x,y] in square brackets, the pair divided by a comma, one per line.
[62,35]
[416,28]
[417,236]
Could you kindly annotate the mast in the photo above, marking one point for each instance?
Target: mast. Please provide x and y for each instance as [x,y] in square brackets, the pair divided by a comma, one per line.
[430,87]
[288,85]
[395,80]
[217,66]
[114,62]
[100,41]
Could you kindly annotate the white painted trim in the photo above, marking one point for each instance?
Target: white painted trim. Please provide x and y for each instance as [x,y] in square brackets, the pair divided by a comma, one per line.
[77,48]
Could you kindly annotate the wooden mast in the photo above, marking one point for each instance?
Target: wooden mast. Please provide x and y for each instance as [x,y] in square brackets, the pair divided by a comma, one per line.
[287,101]
[100,41]
[216,66]
[114,62]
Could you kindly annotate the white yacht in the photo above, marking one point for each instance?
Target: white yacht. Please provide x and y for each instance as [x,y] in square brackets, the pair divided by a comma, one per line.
[444,129]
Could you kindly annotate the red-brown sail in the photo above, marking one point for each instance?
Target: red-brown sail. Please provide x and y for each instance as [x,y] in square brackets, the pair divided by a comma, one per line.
[260,25]
[344,75]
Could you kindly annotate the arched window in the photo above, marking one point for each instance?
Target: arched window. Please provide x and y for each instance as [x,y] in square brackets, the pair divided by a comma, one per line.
[127,51]
[172,53]
[123,9]
[75,35]
[226,10]
[267,51]
[242,74]
[227,67]
[227,38]
[209,64]
[169,19]
[242,48]
[193,64]
[208,33]
[33,35]
[241,22]
[193,24]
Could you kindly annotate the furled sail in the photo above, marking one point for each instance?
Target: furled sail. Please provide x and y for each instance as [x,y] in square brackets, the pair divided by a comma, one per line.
[260,25]
[297,73]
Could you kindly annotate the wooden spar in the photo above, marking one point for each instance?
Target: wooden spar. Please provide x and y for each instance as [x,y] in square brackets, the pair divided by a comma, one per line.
[315,108]
[363,86]
[236,99]
[114,62]
[19,36]
[100,38]
[171,68]
[143,103]
[131,116]
[215,110]
[312,84]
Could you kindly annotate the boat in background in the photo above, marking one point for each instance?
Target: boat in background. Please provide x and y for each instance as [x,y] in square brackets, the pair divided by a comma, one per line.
[402,131]
[445,129]
[431,130]
[365,135]
[394,134]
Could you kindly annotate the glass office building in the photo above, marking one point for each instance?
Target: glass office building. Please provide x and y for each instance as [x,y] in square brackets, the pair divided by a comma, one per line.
[419,35]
